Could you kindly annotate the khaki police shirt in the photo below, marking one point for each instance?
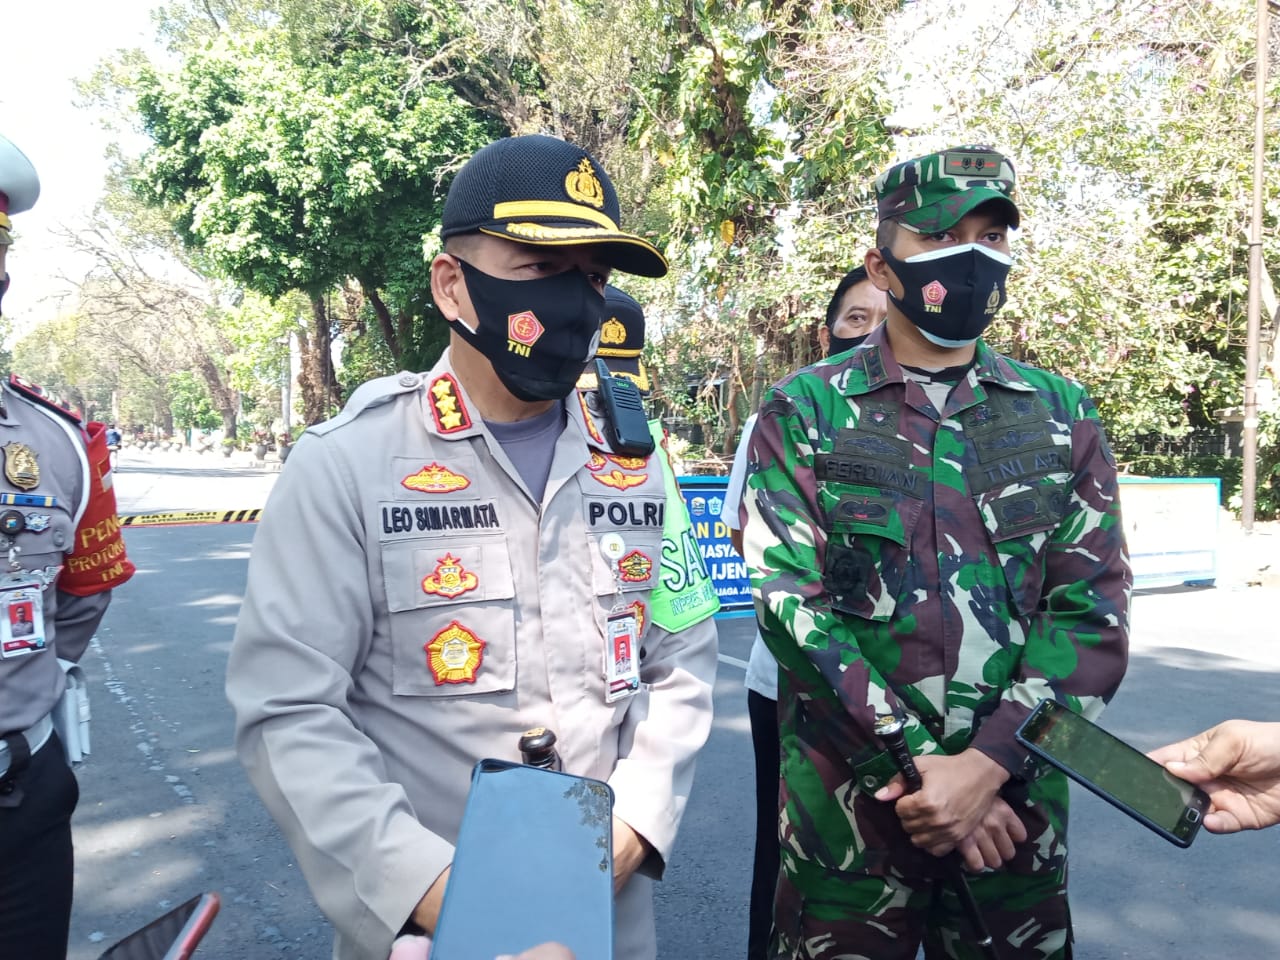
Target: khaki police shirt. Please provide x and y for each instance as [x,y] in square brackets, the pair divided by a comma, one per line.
[30,685]
[410,610]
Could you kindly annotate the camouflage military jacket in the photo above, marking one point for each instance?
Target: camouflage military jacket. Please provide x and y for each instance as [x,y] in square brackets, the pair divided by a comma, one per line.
[956,566]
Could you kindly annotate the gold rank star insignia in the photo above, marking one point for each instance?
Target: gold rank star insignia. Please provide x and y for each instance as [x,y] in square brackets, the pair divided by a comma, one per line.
[20,466]
[447,408]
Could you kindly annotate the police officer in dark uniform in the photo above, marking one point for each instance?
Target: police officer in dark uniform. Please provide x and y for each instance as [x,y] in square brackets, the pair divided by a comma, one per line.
[61,554]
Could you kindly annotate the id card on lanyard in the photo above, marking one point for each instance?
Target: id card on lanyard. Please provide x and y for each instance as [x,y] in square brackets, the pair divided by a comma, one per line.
[21,591]
[622,633]
[21,616]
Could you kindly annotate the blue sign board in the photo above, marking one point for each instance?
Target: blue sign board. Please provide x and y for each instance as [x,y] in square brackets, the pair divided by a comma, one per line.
[704,497]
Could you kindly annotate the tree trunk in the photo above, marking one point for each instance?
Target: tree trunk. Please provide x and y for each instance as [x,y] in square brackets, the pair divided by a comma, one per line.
[390,334]
[316,379]
[225,400]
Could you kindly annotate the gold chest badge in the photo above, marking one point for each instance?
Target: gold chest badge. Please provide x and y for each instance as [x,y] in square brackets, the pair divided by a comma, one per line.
[450,579]
[621,481]
[435,479]
[635,567]
[454,654]
[20,466]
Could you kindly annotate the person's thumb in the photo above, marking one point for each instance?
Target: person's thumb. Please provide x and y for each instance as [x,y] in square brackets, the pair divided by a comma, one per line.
[892,790]
[1215,758]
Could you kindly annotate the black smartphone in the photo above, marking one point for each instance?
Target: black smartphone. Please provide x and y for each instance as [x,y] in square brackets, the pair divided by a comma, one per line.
[1120,774]
[173,936]
[534,864]
[624,417]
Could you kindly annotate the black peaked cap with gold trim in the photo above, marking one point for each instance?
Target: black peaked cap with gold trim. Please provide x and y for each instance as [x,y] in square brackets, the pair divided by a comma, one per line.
[621,341]
[545,192]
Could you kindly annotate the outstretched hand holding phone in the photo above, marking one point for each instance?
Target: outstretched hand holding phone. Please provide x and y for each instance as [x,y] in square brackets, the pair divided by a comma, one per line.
[1238,764]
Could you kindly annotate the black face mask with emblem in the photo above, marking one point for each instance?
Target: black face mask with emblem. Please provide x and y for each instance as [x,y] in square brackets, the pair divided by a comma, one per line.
[537,334]
[951,295]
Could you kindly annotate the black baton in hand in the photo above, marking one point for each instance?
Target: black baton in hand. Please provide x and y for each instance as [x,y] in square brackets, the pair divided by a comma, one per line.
[890,729]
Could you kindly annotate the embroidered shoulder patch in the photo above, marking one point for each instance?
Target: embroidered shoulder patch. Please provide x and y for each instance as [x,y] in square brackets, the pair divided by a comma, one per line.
[435,479]
[454,654]
[447,408]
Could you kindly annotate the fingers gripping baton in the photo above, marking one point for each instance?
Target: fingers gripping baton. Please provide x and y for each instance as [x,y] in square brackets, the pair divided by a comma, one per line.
[891,731]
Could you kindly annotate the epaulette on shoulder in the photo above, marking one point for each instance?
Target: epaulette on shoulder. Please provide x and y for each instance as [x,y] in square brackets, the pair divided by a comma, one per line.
[374,393]
[29,391]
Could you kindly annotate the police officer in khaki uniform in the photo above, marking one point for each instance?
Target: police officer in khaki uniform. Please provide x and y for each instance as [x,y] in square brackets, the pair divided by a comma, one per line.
[61,552]
[456,558]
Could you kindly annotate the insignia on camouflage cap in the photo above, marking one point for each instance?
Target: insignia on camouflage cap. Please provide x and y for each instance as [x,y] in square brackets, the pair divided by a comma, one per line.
[934,192]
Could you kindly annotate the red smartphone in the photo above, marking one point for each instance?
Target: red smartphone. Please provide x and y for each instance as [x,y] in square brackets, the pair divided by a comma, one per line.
[173,936]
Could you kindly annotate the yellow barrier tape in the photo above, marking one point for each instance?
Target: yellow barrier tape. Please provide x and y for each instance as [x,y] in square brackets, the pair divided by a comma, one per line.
[183,519]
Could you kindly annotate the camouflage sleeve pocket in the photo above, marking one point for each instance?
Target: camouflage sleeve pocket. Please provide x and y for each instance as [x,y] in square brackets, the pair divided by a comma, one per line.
[1019,519]
[868,533]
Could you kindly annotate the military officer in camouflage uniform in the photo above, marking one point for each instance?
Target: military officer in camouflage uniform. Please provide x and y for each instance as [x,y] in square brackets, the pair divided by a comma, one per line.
[934,531]
[62,553]
[462,555]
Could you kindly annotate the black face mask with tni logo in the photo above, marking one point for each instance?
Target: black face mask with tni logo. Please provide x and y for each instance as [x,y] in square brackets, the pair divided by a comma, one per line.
[951,295]
[537,334]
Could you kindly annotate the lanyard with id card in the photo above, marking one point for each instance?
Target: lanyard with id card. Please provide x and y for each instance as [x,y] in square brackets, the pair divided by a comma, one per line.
[21,610]
[622,632]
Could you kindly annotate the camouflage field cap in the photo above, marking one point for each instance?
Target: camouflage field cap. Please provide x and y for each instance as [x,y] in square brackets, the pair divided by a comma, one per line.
[935,192]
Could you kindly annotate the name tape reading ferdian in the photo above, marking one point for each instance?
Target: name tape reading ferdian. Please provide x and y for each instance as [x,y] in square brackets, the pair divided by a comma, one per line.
[191,517]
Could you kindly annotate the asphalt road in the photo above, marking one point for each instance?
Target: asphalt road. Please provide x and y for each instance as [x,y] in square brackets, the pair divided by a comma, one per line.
[165,812]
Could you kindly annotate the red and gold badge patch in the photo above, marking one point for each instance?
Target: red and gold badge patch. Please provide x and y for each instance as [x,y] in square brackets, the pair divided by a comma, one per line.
[435,479]
[447,408]
[630,463]
[635,567]
[621,481]
[597,462]
[449,579]
[454,654]
[933,293]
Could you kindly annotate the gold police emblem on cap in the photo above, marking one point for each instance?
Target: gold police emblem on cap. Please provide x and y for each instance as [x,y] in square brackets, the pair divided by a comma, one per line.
[613,331]
[583,185]
[20,466]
